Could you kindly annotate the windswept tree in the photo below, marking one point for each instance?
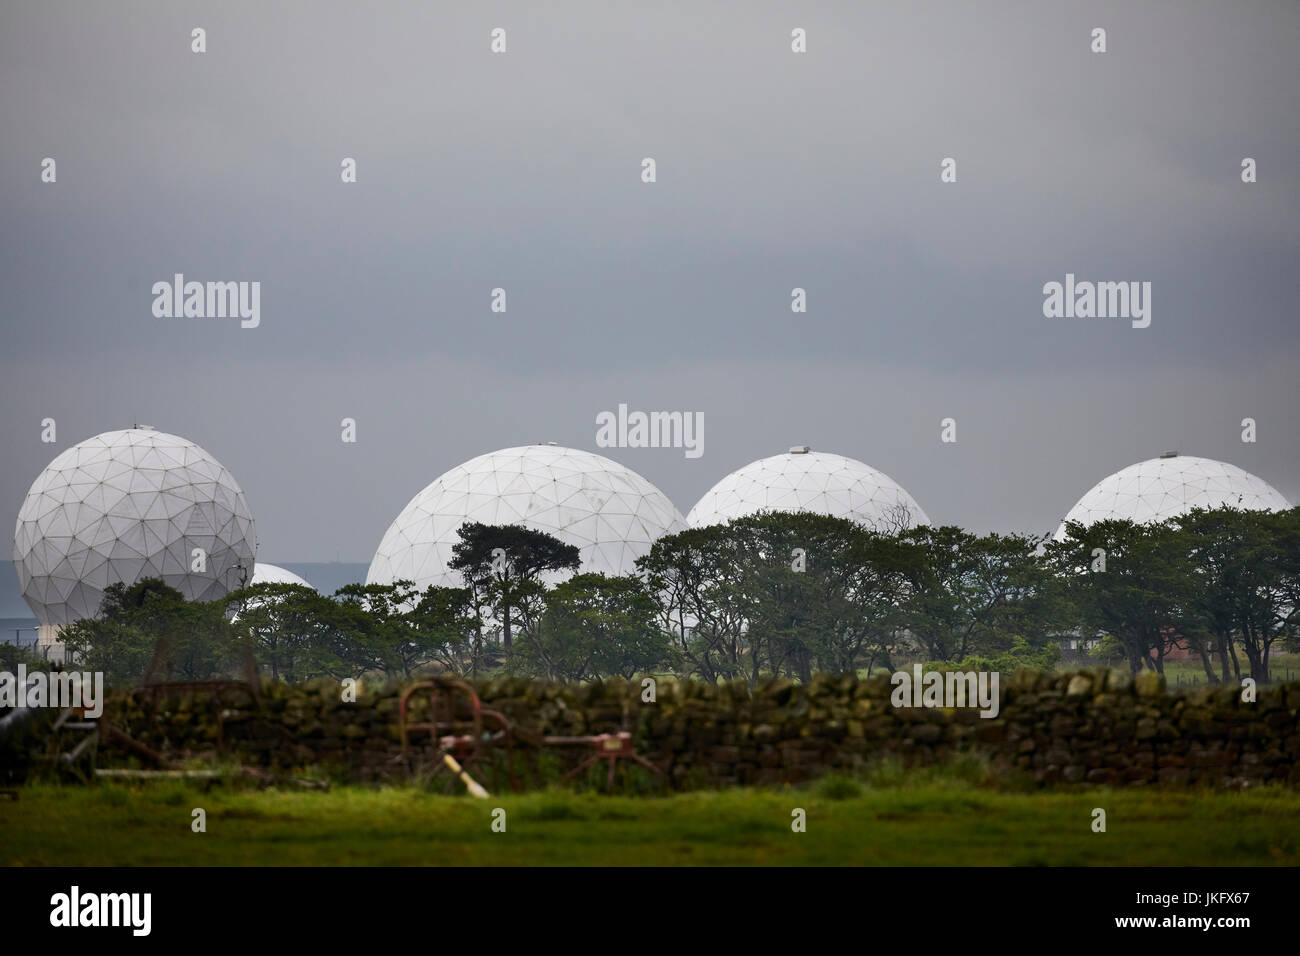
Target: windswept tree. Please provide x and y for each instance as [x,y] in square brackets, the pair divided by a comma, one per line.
[1220,580]
[1286,528]
[777,592]
[447,629]
[149,622]
[504,566]
[971,595]
[878,568]
[376,631]
[1269,589]
[1127,580]
[822,591]
[695,577]
[593,626]
[286,623]
[1213,540]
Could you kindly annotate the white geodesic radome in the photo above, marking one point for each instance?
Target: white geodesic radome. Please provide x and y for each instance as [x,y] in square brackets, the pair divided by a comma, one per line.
[274,574]
[127,505]
[270,574]
[609,512]
[1171,485]
[804,480]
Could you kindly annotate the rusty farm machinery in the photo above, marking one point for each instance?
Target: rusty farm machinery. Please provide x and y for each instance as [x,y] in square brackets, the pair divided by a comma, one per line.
[467,738]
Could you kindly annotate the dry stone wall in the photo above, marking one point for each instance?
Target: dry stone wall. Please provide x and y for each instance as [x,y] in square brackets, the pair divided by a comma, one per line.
[1085,727]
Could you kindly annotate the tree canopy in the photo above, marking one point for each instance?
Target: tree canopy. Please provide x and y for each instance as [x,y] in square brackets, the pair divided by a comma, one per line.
[771,593]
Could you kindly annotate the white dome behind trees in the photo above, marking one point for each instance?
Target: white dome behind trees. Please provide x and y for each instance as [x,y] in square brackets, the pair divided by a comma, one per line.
[127,505]
[1173,484]
[274,574]
[609,512]
[804,480]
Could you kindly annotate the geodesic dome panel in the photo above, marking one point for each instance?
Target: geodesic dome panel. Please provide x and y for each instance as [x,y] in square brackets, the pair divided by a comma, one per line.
[123,506]
[810,481]
[1171,485]
[274,574]
[609,512]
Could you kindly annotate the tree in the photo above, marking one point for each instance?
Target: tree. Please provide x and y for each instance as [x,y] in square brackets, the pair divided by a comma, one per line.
[503,565]
[822,591]
[593,626]
[1286,530]
[446,626]
[969,595]
[149,622]
[377,632]
[777,591]
[1211,539]
[1240,586]
[1133,592]
[288,624]
[1262,569]
[693,576]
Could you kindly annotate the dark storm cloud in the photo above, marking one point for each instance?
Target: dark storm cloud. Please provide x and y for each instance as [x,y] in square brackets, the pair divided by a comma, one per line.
[775,171]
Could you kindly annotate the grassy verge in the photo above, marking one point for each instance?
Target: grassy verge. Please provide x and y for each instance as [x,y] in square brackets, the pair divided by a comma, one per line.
[887,819]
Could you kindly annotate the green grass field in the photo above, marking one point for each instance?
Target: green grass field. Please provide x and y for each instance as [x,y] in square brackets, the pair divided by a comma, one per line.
[926,819]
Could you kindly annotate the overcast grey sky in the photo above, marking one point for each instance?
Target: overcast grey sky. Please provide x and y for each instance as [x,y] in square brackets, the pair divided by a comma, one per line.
[775,170]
